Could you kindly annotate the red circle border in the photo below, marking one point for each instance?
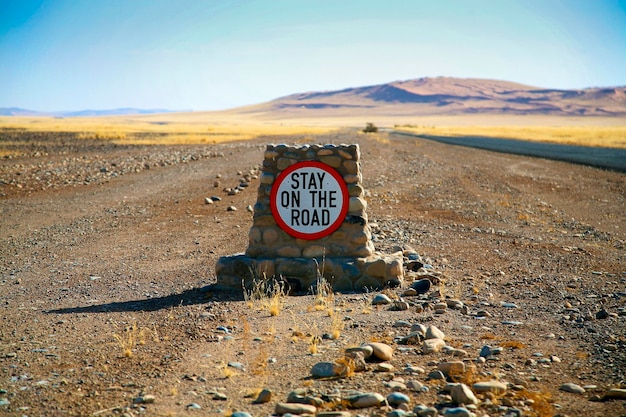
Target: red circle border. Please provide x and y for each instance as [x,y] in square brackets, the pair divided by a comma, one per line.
[344,191]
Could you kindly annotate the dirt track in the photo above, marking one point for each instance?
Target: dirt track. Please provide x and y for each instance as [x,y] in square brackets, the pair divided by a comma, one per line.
[116,248]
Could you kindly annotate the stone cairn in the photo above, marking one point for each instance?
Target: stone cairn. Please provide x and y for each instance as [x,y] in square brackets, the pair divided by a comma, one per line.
[346,258]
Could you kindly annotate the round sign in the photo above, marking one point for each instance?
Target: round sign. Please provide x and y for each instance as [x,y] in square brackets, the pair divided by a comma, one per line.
[309,200]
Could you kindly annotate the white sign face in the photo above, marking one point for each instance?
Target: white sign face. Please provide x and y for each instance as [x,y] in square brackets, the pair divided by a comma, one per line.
[309,200]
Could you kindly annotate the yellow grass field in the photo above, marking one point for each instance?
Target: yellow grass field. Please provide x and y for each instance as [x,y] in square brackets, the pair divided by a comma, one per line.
[601,136]
[146,131]
[216,127]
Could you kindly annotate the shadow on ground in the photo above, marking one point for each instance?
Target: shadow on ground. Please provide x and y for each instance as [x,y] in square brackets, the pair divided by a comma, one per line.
[186,298]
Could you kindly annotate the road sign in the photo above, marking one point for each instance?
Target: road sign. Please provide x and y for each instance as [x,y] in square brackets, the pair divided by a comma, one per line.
[309,200]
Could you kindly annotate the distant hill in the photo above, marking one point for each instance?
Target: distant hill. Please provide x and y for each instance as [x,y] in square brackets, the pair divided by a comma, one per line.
[16,111]
[448,96]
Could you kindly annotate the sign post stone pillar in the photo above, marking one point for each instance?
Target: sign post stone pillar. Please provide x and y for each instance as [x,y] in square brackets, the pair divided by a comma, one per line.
[310,222]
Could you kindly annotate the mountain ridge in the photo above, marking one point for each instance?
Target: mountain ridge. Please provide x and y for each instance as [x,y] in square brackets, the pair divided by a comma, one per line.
[18,111]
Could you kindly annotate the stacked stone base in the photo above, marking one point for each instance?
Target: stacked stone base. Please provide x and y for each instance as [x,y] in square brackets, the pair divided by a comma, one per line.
[344,274]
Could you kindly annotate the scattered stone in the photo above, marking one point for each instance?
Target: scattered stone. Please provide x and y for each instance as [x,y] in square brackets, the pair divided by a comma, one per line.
[414,385]
[384,367]
[300,396]
[426,411]
[602,314]
[615,394]
[294,408]
[381,299]
[237,365]
[402,323]
[240,414]
[264,396]
[395,385]
[496,387]
[208,200]
[145,399]
[366,350]
[334,414]
[324,370]
[572,388]
[397,398]
[194,406]
[219,396]
[455,304]
[418,327]
[381,350]
[249,209]
[509,305]
[436,375]
[421,286]
[457,412]
[462,394]
[400,306]
[453,368]
[365,400]
[231,208]
[432,332]
[433,345]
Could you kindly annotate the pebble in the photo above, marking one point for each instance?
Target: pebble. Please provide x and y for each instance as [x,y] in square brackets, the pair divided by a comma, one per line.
[236,365]
[462,394]
[418,328]
[385,367]
[194,406]
[231,208]
[414,385]
[240,414]
[509,305]
[397,398]
[334,414]
[402,323]
[381,299]
[616,394]
[395,385]
[365,400]
[208,200]
[457,412]
[496,387]
[432,332]
[365,350]
[572,388]
[294,408]
[324,370]
[381,351]
[452,368]
[145,399]
[433,345]
[264,396]
[426,411]
[421,286]
[437,375]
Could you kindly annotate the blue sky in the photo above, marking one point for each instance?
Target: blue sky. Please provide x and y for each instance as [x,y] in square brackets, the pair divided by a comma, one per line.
[217,54]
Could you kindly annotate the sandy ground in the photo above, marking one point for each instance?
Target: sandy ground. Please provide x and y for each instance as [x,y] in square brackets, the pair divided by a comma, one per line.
[107,257]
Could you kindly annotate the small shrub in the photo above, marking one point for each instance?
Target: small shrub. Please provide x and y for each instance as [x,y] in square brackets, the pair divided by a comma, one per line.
[370,128]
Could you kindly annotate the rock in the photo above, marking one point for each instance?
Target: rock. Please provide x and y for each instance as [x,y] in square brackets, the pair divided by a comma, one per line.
[615,394]
[381,350]
[421,286]
[602,314]
[462,394]
[384,367]
[414,338]
[381,299]
[231,208]
[334,414]
[418,328]
[208,200]
[300,396]
[194,406]
[426,411]
[240,414]
[457,412]
[414,385]
[395,385]
[397,398]
[572,388]
[365,400]
[508,305]
[145,399]
[324,370]
[400,306]
[365,350]
[433,345]
[358,360]
[220,396]
[455,304]
[264,396]
[454,368]
[437,375]
[496,387]
[401,323]
[433,332]
[294,408]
